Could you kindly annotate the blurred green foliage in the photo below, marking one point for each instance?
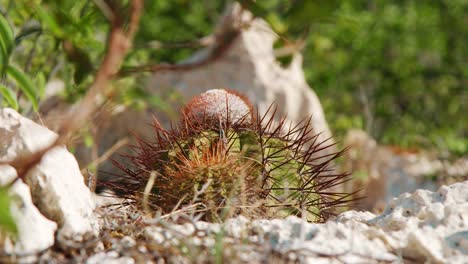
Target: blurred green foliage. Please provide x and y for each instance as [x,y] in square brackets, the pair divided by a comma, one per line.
[7,224]
[398,69]
[57,39]
[10,74]
[173,22]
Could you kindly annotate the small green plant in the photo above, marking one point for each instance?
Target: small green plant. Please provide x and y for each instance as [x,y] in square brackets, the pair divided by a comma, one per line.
[12,75]
[222,156]
[7,223]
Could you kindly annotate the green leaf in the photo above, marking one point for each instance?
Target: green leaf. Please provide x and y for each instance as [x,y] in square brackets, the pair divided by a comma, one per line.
[3,61]
[7,223]
[9,97]
[40,82]
[24,84]
[88,140]
[49,22]
[6,42]
[305,11]
[276,22]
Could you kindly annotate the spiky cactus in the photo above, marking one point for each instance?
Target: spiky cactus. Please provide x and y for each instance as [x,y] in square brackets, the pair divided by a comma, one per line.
[223,157]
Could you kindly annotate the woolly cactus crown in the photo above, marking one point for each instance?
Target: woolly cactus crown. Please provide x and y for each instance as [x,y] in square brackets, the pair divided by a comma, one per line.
[221,105]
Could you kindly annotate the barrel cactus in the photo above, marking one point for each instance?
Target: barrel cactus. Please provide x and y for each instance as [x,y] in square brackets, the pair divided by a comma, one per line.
[224,159]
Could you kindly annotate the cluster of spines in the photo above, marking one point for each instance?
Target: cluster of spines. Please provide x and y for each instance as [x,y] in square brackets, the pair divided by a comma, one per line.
[295,148]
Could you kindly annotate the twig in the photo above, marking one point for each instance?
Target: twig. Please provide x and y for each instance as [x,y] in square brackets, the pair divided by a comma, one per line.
[30,56]
[222,46]
[184,209]
[118,45]
[201,42]
[146,194]
[91,178]
[222,41]
[368,113]
[105,9]
[202,190]
[106,154]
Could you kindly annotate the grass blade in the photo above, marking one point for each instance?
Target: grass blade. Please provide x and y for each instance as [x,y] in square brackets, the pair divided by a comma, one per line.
[9,96]
[7,223]
[24,84]
[6,42]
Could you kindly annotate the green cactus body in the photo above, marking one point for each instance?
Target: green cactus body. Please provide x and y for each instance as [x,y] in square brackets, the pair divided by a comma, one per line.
[237,165]
[222,159]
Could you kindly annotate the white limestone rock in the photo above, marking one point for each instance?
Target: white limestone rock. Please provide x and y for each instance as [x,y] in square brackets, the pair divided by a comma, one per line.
[111,257]
[428,226]
[20,136]
[58,189]
[35,232]
[57,186]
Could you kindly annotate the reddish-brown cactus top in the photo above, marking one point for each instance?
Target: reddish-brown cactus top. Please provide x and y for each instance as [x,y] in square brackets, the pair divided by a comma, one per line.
[220,104]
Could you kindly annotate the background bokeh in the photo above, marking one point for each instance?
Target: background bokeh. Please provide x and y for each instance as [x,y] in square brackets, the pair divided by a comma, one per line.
[396,69]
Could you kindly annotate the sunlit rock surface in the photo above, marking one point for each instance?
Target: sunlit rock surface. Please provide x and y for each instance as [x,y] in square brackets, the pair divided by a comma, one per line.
[56,184]
[35,232]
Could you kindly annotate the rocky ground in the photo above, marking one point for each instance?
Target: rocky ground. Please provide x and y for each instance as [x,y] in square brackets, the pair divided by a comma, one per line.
[421,227]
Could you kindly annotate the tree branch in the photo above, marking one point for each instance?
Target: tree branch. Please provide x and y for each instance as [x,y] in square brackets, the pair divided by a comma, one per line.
[221,46]
[119,43]
[229,29]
